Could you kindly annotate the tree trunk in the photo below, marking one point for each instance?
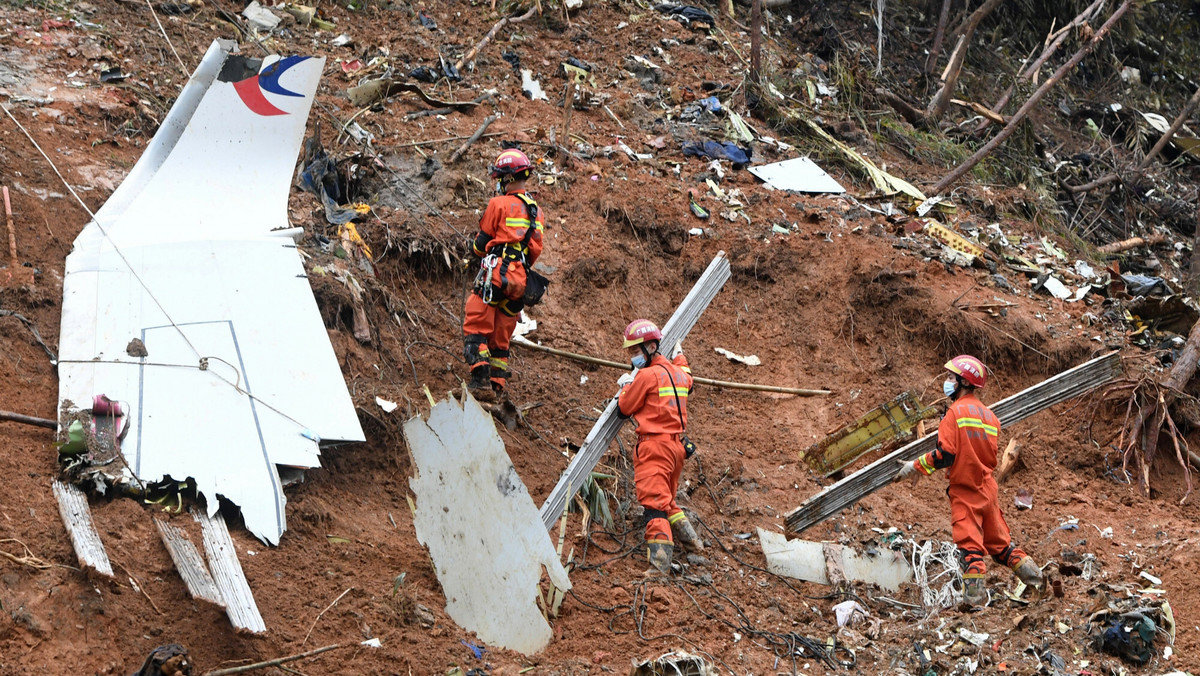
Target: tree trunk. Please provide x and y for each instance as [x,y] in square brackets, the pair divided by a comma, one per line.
[941,100]
[1031,72]
[756,41]
[1021,114]
[938,35]
[1193,282]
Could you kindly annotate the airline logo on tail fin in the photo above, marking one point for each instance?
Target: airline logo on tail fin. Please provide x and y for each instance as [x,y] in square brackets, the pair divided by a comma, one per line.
[250,84]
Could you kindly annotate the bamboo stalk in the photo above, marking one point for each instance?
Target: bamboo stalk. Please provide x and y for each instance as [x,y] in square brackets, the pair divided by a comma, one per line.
[703,381]
[445,140]
[1131,243]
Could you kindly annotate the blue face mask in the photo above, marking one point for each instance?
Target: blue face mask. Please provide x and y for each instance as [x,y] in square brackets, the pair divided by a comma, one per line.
[638,361]
[949,388]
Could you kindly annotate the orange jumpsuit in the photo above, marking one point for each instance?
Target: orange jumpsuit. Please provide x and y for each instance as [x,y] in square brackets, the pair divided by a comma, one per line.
[658,459]
[488,326]
[967,444]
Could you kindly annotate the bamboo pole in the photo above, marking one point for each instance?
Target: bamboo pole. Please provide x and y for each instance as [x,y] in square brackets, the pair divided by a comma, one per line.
[703,381]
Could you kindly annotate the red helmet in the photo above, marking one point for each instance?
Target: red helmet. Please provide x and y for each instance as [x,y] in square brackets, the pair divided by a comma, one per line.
[639,331]
[971,369]
[509,163]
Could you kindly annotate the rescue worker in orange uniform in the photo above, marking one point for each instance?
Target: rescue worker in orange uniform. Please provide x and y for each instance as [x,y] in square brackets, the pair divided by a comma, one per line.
[967,445]
[655,396]
[508,244]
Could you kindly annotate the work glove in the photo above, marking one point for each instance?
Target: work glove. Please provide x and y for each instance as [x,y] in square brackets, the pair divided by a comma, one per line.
[678,350]
[907,469]
[624,380]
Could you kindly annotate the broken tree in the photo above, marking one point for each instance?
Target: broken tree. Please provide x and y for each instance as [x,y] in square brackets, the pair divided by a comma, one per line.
[609,423]
[1067,385]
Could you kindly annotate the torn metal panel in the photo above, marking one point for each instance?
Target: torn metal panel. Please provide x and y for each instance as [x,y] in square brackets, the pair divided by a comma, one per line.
[189,564]
[481,526]
[678,663]
[227,574]
[237,374]
[77,517]
[605,430]
[953,240]
[830,564]
[798,175]
[1066,385]
[892,422]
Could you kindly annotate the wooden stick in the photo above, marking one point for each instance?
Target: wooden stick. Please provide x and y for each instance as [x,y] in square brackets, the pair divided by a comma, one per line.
[272,663]
[314,624]
[487,122]
[471,53]
[168,39]
[703,381]
[1008,461]
[444,140]
[567,103]
[1131,243]
[12,232]
[9,416]
[958,172]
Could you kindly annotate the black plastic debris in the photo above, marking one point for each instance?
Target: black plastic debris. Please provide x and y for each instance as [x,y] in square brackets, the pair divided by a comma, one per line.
[320,177]
[175,8]
[579,63]
[1145,285]
[449,70]
[512,59]
[423,74]
[113,74]
[427,21]
[1129,636]
[717,150]
[686,14]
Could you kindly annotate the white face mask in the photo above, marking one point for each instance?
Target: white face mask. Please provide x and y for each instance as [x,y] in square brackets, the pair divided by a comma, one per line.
[949,387]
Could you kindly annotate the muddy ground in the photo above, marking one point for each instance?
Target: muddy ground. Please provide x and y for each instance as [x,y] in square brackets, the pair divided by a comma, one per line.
[840,302]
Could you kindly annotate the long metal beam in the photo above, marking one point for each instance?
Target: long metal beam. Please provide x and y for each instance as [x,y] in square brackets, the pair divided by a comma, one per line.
[609,423]
[1066,385]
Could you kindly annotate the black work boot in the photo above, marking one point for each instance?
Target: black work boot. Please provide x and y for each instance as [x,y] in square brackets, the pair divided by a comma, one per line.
[480,386]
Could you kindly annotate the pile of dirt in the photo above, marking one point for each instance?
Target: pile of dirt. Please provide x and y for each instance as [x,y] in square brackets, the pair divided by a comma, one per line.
[836,297]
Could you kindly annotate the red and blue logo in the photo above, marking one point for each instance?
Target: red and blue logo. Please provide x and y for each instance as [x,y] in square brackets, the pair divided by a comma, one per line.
[251,89]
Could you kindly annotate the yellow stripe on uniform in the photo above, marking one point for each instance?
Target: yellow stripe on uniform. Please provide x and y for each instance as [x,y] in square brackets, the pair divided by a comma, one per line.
[672,392]
[978,424]
[677,517]
[925,466]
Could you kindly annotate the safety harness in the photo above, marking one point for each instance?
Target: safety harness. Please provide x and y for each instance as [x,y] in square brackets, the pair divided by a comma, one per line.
[535,284]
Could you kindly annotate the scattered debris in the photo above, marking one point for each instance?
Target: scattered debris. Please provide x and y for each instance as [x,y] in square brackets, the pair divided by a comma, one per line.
[260,17]
[748,360]
[387,406]
[831,564]
[798,175]
[531,87]
[678,663]
[1023,499]
[718,150]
